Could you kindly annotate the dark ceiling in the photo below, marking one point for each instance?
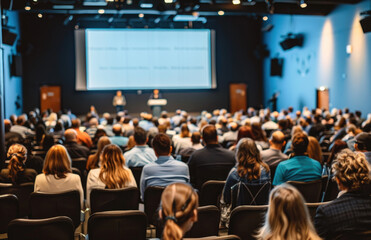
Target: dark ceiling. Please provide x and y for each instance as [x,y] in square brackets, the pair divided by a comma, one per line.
[159,7]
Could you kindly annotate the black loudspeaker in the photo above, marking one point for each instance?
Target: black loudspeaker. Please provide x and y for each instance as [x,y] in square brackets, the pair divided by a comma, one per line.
[8,37]
[366,24]
[292,41]
[276,66]
[16,66]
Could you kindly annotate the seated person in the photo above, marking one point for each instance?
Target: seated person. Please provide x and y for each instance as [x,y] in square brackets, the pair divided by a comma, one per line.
[165,170]
[17,173]
[112,174]
[287,216]
[57,175]
[178,210]
[118,139]
[141,154]
[299,167]
[74,149]
[95,159]
[351,211]
[273,156]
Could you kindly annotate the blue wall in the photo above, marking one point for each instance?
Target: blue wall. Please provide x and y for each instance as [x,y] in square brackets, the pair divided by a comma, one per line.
[322,61]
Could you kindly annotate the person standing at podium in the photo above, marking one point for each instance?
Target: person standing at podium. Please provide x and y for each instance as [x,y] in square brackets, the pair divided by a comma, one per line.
[156,110]
[156,94]
[119,101]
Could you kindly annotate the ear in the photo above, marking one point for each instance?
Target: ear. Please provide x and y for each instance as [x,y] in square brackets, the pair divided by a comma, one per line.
[270,142]
[194,218]
[171,149]
[160,213]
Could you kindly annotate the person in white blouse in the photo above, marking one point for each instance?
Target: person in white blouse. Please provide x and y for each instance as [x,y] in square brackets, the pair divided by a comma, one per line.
[112,174]
[57,175]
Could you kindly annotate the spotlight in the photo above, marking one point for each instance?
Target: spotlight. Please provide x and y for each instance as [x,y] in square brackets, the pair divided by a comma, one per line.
[27,7]
[101,11]
[35,1]
[39,15]
[168,1]
[292,40]
[303,3]
[236,2]
[221,13]
[140,15]
[265,18]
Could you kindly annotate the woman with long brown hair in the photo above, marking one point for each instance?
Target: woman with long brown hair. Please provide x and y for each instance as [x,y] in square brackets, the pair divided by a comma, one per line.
[112,174]
[178,210]
[94,159]
[17,173]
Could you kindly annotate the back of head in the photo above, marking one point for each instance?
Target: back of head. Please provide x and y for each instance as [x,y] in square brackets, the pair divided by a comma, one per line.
[245,132]
[287,216]
[140,136]
[112,172]
[314,149]
[18,155]
[351,169]
[179,204]
[363,141]
[259,135]
[7,125]
[248,159]
[57,162]
[209,134]
[338,146]
[102,142]
[117,129]
[300,144]
[184,131]
[70,135]
[161,144]
[196,138]
[278,139]
[75,123]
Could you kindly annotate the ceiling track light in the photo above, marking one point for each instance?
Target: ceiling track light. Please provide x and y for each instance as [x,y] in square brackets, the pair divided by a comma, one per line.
[303,3]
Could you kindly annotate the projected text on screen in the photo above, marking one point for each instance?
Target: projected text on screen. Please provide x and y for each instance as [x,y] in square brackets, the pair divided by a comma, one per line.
[148,59]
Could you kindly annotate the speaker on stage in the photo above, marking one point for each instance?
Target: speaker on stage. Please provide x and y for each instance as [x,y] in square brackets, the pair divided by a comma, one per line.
[8,37]
[276,66]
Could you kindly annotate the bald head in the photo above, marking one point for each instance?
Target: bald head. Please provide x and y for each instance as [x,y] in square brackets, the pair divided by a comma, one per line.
[117,129]
[277,140]
[70,135]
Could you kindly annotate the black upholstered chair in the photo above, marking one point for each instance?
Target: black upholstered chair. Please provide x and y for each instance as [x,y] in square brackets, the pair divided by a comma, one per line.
[56,228]
[312,208]
[211,172]
[114,199]
[311,191]
[250,194]
[9,210]
[331,192]
[211,192]
[137,173]
[246,220]
[152,199]
[226,237]
[22,191]
[207,223]
[118,225]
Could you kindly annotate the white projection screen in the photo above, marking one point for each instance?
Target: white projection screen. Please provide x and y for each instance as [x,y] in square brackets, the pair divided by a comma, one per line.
[139,59]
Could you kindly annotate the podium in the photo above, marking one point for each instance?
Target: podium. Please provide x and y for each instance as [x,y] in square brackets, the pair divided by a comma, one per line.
[156,106]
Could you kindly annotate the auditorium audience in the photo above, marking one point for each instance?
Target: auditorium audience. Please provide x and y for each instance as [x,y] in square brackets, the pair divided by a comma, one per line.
[351,211]
[165,170]
[273,156]
[17,172]
[141,154]
[287,216]
[178,210]
[112,174]
[299,167]
[20,128]
[118,139]
[314,149]
[82,137]
[185,153]
[94,160]
[57,175]
[213,156]
[183,139]
[74,149]
[363,144]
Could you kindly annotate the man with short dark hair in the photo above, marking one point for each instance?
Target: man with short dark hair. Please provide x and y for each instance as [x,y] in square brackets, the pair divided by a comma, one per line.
[363,144]
[213,158]
[82,137]
[74,149]
[273,156]
[141,154]
[165,170]
[118,139]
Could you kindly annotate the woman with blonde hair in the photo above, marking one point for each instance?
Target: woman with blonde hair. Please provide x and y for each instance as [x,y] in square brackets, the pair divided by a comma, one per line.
[17,173]
[94,159]
[178,210]
[57,175]
[287,216]
[112,174]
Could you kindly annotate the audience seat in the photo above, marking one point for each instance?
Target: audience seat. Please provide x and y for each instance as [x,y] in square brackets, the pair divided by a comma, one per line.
[56,228]
[46,205]
[114,199]
[250,194]
[352,235]
[207,223]
[137,172]
[331,191]
[246,220]
[226,237]
[311,191]
[9,210]
[118,225]
[312,208]
[211,192]
[211,172]
[22,191]
[152,199]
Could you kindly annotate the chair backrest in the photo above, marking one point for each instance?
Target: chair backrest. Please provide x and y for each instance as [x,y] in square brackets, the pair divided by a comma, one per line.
[226,237]
[114,199]
[312,208]
[22,191]
[152,199]
[246,220]
[56,228]
[351,235]
[250,194]
[128,225]
[9,210]
[212,172]
[80,163]
[47,205]
[207,223]
[311,191]
[211,192]
[332,191]
[137,172]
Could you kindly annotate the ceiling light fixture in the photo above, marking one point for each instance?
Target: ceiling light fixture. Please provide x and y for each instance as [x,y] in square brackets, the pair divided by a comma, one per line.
[265,18]
[220,13]
[39,15]
[27,7]
[101,11]
[236,2]
[303,4]
[168,1]
[140,15]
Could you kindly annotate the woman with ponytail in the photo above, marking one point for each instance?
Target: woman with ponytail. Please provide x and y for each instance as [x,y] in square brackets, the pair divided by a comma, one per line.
[178,211]
[17,173]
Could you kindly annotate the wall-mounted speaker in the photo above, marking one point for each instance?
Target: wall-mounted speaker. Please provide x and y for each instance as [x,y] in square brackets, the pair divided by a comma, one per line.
[276,66]
[366,24]
[8,37]
[16,66]
[292,40]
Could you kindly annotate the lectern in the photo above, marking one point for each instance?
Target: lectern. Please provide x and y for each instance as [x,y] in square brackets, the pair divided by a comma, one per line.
[156,106]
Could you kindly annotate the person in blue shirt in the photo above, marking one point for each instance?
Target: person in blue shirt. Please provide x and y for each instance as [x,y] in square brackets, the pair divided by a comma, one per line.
[165,170]
[299,167]
[118,139]
[141,154]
